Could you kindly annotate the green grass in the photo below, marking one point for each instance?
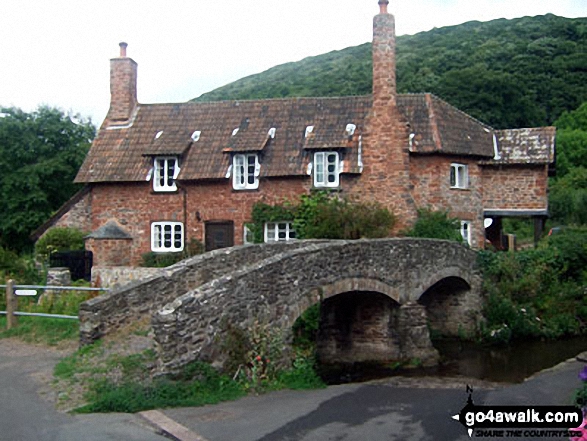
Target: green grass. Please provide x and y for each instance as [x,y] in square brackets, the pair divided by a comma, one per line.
[206,386]
[40,330]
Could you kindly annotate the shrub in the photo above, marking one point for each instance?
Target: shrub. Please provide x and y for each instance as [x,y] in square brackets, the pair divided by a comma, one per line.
[322,215]
[59,239]
[537,292]
[435,225]
[20,268]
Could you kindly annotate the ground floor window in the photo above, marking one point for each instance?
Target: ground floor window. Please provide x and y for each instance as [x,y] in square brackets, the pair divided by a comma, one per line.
[166,236]
[466,231]
[279,231]
[248,235]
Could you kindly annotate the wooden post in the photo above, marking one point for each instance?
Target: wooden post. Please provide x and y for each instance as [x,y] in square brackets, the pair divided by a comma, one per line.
[11,305]
[511,242]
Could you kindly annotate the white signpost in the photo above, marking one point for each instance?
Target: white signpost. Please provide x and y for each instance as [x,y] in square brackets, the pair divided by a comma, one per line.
[25,292]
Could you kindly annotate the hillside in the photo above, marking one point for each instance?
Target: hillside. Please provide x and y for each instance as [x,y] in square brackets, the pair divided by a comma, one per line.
[508,73]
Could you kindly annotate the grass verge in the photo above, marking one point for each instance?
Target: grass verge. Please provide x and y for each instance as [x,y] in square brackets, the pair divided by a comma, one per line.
[37,330]
[114,377]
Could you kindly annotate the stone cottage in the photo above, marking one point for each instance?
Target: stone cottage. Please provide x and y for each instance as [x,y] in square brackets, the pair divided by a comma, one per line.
[158,175]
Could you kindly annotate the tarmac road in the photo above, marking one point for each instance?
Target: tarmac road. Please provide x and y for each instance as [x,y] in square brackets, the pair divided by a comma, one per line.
[391,409]
[25,415]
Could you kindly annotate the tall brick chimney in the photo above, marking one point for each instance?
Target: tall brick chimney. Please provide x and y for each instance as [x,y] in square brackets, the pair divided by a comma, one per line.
[384,89]
[123,87]
[385,155]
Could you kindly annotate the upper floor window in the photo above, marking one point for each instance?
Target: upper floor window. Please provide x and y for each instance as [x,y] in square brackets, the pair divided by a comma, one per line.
[246,170]
[166,236]
[326,169]
[279,231]
[466,232]
[459,176]
[166,170]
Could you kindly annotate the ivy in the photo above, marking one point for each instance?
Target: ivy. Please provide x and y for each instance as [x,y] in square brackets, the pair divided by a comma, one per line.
[325,215]
[263,213]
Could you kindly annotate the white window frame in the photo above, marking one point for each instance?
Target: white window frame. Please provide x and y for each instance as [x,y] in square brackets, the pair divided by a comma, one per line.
[466,231]
[158,240]
[245,171]
[163,176]
[459,175]
[326,166]
[248,236]
[273,231]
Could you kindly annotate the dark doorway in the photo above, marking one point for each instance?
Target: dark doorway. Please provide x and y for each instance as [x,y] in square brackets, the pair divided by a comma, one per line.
[219,235]
[78,262]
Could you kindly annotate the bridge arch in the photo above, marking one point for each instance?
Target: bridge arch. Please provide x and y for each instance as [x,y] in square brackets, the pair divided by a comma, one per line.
[279,288]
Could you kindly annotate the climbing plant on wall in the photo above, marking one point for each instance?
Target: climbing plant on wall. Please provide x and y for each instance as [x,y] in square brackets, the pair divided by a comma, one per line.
[325,215]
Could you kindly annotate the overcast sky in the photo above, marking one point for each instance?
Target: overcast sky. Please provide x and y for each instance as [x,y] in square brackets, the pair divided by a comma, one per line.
[57,52]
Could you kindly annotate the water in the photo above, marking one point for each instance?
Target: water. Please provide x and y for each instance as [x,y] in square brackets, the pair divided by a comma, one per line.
[509,364]
[504,364]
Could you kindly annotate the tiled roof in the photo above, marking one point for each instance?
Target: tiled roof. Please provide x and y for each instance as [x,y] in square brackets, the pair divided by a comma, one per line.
[109,231]
[525,146]
[205,136]
[438,127]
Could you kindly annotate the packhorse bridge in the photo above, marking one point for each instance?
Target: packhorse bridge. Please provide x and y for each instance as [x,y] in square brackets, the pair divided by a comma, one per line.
[379,298]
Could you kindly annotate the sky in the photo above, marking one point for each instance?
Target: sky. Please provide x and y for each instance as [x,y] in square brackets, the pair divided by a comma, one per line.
[57,52]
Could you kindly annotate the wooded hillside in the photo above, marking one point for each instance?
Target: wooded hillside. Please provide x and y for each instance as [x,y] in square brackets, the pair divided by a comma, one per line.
[508,73]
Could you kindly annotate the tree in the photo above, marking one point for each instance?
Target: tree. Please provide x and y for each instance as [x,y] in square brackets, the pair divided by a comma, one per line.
[40,153]
[568,191]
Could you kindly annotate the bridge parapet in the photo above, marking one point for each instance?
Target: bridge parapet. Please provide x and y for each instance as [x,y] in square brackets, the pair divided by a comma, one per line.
[138,300]
[280,287]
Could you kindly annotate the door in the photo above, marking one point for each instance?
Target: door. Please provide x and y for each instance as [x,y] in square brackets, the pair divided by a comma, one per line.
[219,235]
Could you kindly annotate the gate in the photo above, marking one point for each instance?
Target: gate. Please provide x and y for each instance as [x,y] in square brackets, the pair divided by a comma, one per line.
[78,262]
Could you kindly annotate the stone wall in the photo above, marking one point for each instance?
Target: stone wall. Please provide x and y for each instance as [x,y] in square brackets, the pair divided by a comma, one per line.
[279,288]
[515,187]
[149,292]
[117,276]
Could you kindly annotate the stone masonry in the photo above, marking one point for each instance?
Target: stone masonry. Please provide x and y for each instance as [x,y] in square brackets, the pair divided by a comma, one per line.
[280,287]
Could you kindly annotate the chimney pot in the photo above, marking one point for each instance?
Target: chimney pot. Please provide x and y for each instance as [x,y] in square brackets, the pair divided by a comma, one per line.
[123,46]
[383,6]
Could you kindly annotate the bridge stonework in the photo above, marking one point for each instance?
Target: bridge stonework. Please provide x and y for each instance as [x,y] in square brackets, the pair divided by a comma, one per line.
[429,283]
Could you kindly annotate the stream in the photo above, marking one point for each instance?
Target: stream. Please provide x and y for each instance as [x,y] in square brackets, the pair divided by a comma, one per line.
[505,364]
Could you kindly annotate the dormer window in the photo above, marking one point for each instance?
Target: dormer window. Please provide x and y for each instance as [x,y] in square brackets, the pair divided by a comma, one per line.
[166,170]
[326,169]
[196,135]
[459,176]
[350,129]
[245,171]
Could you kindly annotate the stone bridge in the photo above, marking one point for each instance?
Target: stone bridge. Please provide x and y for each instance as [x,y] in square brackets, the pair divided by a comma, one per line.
[379,298]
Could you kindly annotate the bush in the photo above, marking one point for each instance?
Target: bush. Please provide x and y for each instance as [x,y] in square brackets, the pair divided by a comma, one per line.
[322,215]
[538,292]
[435,225]
[59,239]
[20,268]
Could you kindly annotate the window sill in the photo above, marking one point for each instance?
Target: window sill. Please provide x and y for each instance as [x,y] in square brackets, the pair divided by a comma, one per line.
[163,192]
[328,189]
[461,188]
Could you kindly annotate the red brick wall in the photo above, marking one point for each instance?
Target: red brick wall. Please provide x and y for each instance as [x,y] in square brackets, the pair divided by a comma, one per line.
[430,179]
[123,89]
[78,216]
[515,187]
[135,206]
[386,172]
[110,252]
